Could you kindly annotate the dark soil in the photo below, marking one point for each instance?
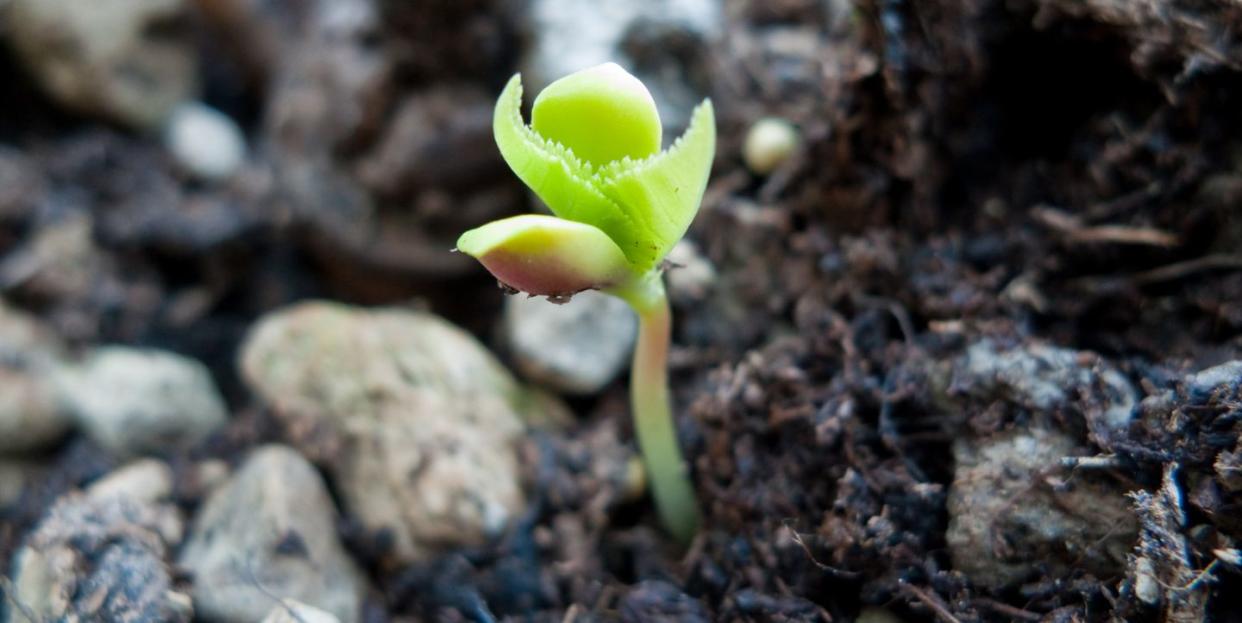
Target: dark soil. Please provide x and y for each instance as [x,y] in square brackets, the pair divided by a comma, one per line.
[1028,171]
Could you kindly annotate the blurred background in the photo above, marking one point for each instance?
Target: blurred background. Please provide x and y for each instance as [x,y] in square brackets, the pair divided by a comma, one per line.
[966,276]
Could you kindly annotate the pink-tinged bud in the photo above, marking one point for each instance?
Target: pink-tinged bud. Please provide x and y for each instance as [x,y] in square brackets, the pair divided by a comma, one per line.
[546,256]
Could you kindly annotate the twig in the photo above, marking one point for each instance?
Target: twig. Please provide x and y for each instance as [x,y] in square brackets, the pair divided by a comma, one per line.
[258,584]
[1007,610]
[1116,205]
[1104,461]
[1203,576]
[1189,267]
[893,307]
[933,601]
[1077,231]
[1102,285]
[839,573]
[1124,234]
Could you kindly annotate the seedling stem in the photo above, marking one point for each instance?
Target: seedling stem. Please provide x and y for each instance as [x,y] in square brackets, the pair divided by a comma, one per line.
[653,418]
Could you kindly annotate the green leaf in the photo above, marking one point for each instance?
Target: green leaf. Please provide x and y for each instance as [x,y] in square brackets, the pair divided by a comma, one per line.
[644,205]
[667,188]
[548,168]
[602,114]
[545,255]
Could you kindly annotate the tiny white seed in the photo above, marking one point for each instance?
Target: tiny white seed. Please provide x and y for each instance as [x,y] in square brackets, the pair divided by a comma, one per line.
[769,143]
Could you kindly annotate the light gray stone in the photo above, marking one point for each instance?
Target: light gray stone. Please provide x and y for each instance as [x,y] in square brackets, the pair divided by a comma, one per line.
[15,476]
[1045,378]
[147,480]
[577,347]
[1224,378]
[290,611]
[205,142]
[126,60]
[416,422]
[691,277]
[270,534]
[30,418]
[60,260]
[1013,512]
[135,401]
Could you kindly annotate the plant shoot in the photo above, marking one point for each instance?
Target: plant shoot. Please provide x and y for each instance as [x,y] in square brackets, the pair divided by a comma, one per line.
[592,154]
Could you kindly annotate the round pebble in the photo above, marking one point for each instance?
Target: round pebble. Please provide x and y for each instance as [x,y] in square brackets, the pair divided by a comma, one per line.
[205,142]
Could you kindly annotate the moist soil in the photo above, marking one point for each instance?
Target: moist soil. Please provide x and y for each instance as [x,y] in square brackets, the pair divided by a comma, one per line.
[1024,172]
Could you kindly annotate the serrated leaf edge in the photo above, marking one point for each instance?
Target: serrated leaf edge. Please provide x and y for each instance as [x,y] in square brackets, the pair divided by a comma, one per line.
[594,179]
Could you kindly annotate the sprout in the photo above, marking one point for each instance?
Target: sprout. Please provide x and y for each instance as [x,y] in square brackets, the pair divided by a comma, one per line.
[592,153]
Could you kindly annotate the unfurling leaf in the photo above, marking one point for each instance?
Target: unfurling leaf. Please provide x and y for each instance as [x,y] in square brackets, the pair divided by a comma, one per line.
[592,157]
[602,114]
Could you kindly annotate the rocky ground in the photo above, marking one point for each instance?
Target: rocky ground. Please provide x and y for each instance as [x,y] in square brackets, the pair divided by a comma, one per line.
[968,349]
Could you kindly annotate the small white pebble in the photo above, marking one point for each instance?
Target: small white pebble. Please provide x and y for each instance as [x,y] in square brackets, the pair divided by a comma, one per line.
[692,277]
[212,473]
[1146,586]
[769,143]
[148,480]
[205,142]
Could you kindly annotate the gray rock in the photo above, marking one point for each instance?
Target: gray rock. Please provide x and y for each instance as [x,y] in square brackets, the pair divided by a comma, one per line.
[1013,512]
[270,534]
[25,341]
[575,348]
[1224,378]
[134,401]
[415,421]
[100,559]
[205,142]
[210,474]
[15,476]
[290,611]
[147,480]
[1178,420]
[21,183]
[643,35]
[692,276]
[60,261]
[1048,379]
[122,59]
[30,418]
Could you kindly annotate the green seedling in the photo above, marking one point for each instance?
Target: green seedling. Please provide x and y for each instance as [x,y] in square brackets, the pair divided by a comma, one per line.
[592,153]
